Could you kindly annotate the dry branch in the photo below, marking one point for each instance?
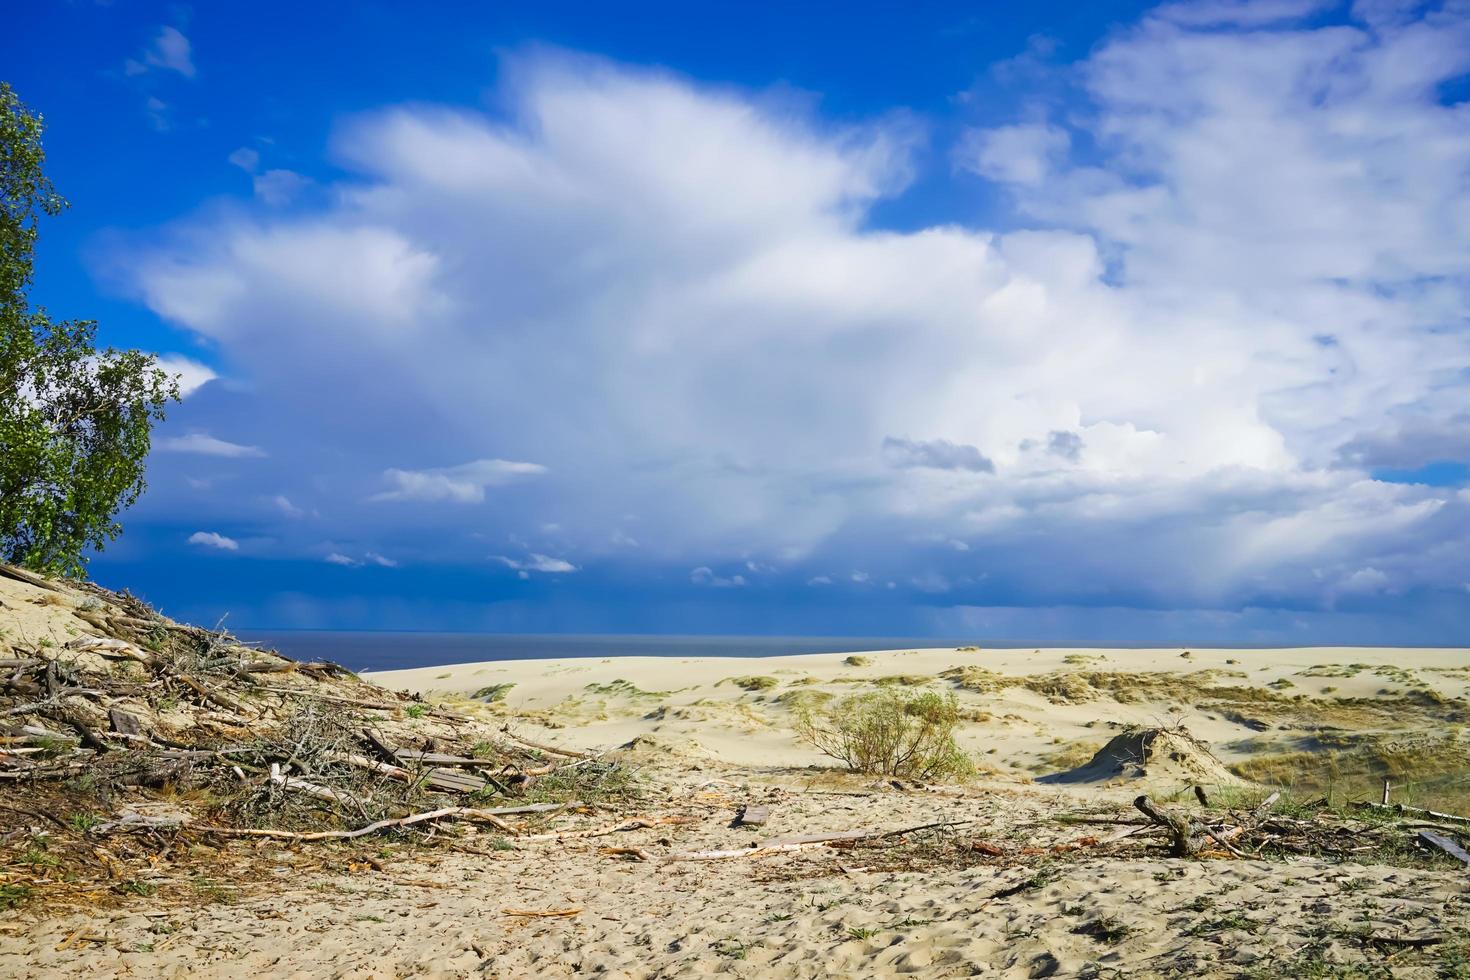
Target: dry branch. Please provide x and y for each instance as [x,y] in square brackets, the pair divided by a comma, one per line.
[784,844]
[445,813]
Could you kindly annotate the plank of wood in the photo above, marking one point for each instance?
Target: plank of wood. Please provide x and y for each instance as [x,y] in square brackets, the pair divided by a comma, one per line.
[20,575]
[124,722]
[409,757]
[1445,844]
[753,816]
[1417,811]
[454,781]
[437,759]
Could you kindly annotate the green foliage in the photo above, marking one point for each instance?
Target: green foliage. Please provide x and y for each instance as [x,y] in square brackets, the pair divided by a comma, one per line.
[75,422]
[14,896]
[888,732]
[751,683]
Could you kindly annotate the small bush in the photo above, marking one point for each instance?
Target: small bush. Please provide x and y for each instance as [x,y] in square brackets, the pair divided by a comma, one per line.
[857,660]
[493,692]
[752,683]
[888,732]
[905,680]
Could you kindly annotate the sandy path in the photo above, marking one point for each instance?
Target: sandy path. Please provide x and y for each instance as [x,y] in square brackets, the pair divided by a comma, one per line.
[800,915]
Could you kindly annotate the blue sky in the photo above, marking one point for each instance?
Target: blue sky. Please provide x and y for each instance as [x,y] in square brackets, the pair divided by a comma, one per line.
[1099,321]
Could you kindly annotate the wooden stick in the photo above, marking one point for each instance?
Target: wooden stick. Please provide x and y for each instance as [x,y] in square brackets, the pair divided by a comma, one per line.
[1400,808]
[785,844]
[310,789]
[20,575]
[448,812]
[553,749]
[637,823]
[544,913]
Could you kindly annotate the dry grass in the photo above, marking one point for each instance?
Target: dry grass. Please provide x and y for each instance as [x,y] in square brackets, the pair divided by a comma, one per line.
[1430,770]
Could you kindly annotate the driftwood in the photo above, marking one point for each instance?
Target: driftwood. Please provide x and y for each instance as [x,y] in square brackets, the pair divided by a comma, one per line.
[445,813]
[785,844]
[636,823]
[752,816]
[553,749]
[21,575]
[310,789]
[1445,844]
[124,722]
[1417,811]
[1184,835]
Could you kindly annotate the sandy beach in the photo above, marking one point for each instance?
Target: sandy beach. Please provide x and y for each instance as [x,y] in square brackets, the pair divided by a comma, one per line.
[715,841]
[1029,712]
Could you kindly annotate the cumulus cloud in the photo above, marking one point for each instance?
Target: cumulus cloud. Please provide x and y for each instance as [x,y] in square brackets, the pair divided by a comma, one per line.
[463,484]
[704,575]
[278,188]
[169,50]
[190,374]
[938,454]
[337,558]
[211,539]
[1222,275]
[204,444]
[538,563]
[245,158]
[1067,445]
[282,503]
[1022,154]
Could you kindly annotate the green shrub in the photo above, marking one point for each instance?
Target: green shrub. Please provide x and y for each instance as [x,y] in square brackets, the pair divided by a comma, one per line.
[752,683]
[857,660]
[888,732]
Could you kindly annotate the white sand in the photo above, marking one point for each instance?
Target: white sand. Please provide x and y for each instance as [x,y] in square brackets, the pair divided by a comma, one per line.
[695,709]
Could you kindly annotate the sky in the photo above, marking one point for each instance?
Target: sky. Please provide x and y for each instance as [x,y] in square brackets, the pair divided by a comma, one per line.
[1107,322]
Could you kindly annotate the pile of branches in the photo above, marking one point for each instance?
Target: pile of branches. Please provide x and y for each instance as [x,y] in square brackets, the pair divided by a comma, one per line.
[1315,830]
[135,708]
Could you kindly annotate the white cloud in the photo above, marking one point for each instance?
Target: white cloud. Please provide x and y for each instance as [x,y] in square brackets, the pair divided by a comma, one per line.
[191,374]
[204,444]
[538,563]
[283,504]
[246,159]
[1238,288]
[210,539]
[157,112]
[371,558]
[704,575]
[463,484]
[278,188]
[819,580]
[1023,154]
[169,50]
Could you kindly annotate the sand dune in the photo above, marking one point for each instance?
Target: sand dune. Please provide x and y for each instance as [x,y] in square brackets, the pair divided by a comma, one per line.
[1304,716]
